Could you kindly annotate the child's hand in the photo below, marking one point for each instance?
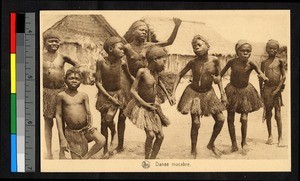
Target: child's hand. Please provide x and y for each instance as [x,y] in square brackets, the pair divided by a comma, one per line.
[217,78]
[115,101]
[150,106]
[172,100]
[177,21]
[263,77]
[275,92]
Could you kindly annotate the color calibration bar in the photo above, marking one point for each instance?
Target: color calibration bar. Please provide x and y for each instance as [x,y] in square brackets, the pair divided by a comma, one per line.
[22,61]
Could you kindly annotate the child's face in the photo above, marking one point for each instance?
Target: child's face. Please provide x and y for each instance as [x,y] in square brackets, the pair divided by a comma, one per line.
[200,48]
[117,50]
[244,52]
[160,63]
[141,32]
[52,44]
[73,81]
[272,49]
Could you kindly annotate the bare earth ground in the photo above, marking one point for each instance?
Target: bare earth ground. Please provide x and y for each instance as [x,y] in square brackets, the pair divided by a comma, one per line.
[176,144]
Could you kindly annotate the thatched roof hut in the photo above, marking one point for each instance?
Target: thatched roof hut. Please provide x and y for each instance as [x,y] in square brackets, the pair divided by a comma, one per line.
[82,38]
[181,50]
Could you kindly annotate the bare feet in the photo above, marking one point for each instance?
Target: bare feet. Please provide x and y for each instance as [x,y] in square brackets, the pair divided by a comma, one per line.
[214,150]
[119,150]
[233,148]
[49,156]
[245,149]
[194,154]
[280,142]
[62,156]
[106,156]
[270,141]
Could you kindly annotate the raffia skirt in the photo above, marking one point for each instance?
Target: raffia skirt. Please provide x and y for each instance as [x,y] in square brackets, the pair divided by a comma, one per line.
[206,103]
[242,100]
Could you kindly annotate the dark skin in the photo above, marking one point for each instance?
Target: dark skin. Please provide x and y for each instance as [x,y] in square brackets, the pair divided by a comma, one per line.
[107,72]
[73,110]
[241,69]
[204,69]
[274,69]
[144,91]
[135,51]
[53,78]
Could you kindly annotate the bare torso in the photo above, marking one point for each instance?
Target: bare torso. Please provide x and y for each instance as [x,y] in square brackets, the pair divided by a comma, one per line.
[136,57]
[240,73]
[147,86]
[53,70]
[110,75]
[202,74]
[73,110]
[272,71]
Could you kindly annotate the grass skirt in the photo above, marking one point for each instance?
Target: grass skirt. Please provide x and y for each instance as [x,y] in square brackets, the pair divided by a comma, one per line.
[242,100]
[206,103]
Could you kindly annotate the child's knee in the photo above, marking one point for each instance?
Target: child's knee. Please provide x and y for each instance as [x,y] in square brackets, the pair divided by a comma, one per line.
[220,118]
[151,135]
[196,124]
[277,117]
[160,136]
[244,118]
[100,139]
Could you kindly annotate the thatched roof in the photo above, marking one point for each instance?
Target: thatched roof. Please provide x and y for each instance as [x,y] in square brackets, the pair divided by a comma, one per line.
[188,29]
[86,30]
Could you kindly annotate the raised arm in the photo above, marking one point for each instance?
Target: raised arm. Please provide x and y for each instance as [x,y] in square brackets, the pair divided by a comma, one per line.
[127,72]
[179,76]
[99,85]
[173,35]
[87,108]
[59,123]
[134,88]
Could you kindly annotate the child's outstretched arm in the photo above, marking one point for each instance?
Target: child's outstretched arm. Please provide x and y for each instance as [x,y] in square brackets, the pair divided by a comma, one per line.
[87,108]
[179,76]
[219,82]
[173,35]
[58,116]
[261,75]
[262,67]
[134,92]
[100,86]
[227,66]
[70,61]
[170,98]
[127,72]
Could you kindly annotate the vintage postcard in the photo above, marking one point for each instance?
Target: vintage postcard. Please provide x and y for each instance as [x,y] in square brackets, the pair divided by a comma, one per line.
[165,91]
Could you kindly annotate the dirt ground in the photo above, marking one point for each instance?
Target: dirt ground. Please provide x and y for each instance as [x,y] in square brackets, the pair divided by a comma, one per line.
[176,144]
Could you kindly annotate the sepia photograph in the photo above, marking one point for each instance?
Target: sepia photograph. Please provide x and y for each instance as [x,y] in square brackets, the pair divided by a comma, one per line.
[165,91]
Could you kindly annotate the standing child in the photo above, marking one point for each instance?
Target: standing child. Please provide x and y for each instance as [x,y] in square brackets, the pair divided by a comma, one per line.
[199,98]
[274,68]
[110,94]
[53,83]
[242,97]
[143,110]
[73,109]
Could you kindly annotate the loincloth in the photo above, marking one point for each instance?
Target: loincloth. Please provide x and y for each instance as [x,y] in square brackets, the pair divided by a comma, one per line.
[206,103]
[144,118]
[78,139]
[49,101]
[242,100]
[269,99]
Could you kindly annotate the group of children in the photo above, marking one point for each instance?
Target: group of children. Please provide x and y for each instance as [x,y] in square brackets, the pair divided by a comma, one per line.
[142,67]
